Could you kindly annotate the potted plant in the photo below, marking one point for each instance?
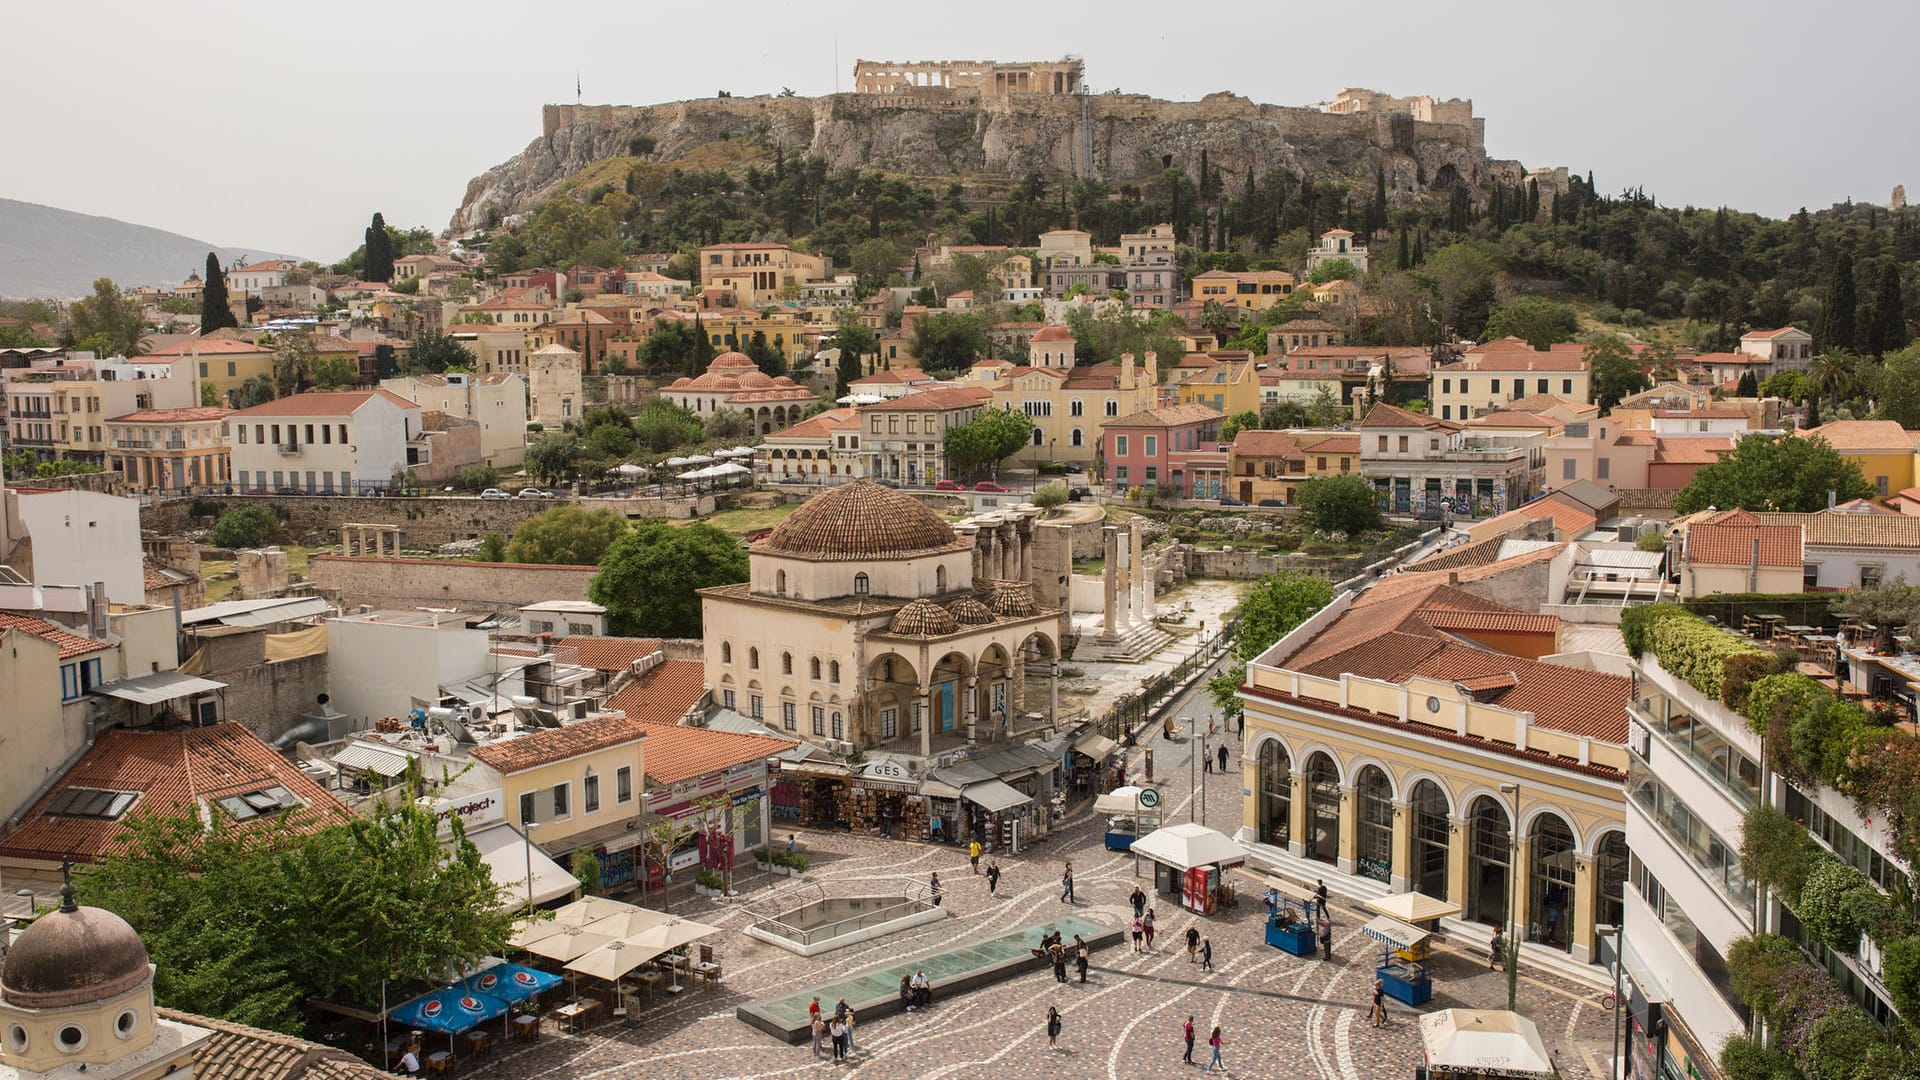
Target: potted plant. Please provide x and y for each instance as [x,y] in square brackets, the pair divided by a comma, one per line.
[708,882]
[762,859]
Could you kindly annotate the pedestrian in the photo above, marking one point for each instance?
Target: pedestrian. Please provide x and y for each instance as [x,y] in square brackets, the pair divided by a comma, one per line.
[789,843]
[1206,955]
[1139,931]
[1326,938]
[1053,1027]
[840,1009]
[813,1010]
[1320,896]
[839,1033]
[933,888]
[1242,719]
[1496,947]
[906,993]
[973,855]
[1378,1013]
[410,1059]
[1146,924]
[1223,757]
[1206,759]
[1213,1040]
[993,878]
[819,1032]
[1186,1033]
[1080,955]
[1193,944]
[1059,963]
[1139,901]
[1066,884]
[849,1022]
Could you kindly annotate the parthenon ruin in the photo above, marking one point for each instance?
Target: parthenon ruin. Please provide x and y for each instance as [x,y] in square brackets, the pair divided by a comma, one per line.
[990,77]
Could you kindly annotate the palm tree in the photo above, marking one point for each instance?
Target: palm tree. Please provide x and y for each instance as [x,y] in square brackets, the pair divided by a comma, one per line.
[1833,375]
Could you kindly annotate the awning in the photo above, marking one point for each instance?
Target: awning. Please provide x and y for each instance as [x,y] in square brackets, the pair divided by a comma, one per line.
[364,755]
[1095,745]
[1188,845]
[1388,930]
[1489,1042]
[994,796]
[1121,800]
[1413,907]
[507,855]
[158,688]
[939,789]
[263,612]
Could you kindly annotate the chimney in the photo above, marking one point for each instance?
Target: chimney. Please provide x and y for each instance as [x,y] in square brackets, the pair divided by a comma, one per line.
[1453,577]
[1153,367]
[1126,369]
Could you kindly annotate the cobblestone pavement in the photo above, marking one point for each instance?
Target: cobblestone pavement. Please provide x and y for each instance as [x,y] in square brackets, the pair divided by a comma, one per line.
[1280,1015]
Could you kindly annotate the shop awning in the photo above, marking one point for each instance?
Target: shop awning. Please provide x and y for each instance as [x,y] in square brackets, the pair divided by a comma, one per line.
[1188,845]
[1121,800]
[938,789]
[1095,745]
[1388,930]
[994,796]
[1413,907]
[158,688]
[1484,1041]
[506,854]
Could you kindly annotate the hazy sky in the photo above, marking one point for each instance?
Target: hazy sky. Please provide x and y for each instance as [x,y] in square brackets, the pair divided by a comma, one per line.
[286,125]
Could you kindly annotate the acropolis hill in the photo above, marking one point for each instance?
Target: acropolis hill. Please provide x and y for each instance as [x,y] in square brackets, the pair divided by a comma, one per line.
[987,121]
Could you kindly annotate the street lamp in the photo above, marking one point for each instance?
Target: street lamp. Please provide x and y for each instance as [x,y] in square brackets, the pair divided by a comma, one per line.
[526,835]
[28,893]
[1619,961]
[1513,893]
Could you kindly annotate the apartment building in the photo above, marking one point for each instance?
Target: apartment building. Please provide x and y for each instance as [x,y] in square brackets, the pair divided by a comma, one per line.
[905,438]
[346,441]
[497,402]
[1419,464]
[61,409]
[170,449]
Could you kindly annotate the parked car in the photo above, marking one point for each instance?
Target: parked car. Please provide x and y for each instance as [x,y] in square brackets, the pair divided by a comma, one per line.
[1273,502]
[533,493]
[1228,500]
[494,493]
[990,487]
[949,485]
[1075,494]
[287,491]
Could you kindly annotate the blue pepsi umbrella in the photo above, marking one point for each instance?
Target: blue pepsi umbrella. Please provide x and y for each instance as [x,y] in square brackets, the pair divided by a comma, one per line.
[451,1011]
[510,982]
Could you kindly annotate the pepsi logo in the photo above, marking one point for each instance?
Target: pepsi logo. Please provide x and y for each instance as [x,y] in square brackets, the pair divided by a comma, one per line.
[524,978]
[431,1008]
[469,1004]
[488,982]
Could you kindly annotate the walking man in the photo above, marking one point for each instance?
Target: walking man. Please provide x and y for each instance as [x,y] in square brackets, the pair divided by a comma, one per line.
[1146,924]
[1066,884]
[1139,901]
[1326,938]
[1206,955]
[1186,1032]
[1320,895]
[993,878]
[1080,955]
[973,855]
[1223,757]
[1206,758]
[933,887]
[1193,944]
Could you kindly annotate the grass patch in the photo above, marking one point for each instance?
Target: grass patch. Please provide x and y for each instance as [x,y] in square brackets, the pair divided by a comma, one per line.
[1090,566]
[743,521]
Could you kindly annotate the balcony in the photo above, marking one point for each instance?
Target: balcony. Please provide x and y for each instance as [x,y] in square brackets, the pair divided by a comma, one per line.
[288,449]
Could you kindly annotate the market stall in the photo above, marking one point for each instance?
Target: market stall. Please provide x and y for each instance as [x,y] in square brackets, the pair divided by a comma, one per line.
[1189,865]
[1481,1044]
[1289,922]
[1131,812]
[1404,927]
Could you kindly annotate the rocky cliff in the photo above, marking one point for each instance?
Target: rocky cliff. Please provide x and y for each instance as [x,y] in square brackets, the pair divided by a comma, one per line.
[942,134]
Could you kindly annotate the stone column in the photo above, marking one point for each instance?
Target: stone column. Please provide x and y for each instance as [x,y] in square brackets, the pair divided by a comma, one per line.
[1349,852]
[1519,883]
[1457,862]
[1297,815]
[923,709]
[1400,877]
[1586,909]
[1110,573]
[1053,694]
[972,706]
[1009,555]
[1136,598]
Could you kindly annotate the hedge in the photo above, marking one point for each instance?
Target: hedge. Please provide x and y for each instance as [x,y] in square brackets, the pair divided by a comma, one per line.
[1637,623]
[1697,652]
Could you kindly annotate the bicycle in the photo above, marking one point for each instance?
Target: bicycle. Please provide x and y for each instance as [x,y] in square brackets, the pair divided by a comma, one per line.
[1607,1000]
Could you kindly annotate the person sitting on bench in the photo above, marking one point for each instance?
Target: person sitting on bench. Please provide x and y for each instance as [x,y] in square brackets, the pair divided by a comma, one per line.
[922,990]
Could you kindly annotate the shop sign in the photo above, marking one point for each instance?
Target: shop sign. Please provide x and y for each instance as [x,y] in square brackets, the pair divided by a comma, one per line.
[741,798]
[478,808]
[684,858]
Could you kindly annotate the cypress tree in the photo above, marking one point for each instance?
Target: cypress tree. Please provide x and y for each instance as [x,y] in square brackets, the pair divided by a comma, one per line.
[1889,330]
[1834,329]
[379,251]
[216,311]
[1533,200]
[1419,248]
[1749,386]
[1402,259]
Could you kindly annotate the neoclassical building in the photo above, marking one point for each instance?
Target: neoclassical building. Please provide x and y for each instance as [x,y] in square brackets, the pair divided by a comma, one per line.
[734,381]
[870,623]
[1385,738]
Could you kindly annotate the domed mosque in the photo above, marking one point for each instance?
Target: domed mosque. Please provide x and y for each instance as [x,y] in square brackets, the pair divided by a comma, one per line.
[733,381]
[865,626]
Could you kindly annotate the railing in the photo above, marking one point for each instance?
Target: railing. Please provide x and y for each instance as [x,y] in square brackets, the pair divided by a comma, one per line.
[288,448]
[919,898]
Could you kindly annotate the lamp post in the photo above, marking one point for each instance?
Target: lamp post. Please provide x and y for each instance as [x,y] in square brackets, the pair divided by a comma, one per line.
[1619,961]
[526,834]
[1513,892]
[28,893]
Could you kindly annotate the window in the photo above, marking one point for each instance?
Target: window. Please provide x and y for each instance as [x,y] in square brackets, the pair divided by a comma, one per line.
[1403,444]
[623,784]
[253,804]
[1869,578]
[813,668]
[590,793]
[526,808]
[1383,444]
[839,726]
[726,652]
[819,720]
[1075,407]
[889,723]
[859,584]
[833,671]
[1446,386]
[726,698]
[1541,385]
[789,716]
[1153,474]
[1603,467]
[1566,386]
[561,796]
[1113,407]
[1119,446]
[1569,470]
[786,663]
[1153,445]
[85,802]
[756,706]
[753,659]
[1120,474]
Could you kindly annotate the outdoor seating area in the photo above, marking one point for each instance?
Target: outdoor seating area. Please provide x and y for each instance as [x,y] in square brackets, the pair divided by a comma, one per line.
[623,951]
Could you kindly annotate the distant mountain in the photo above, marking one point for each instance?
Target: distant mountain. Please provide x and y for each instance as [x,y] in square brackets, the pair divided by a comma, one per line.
[51,253]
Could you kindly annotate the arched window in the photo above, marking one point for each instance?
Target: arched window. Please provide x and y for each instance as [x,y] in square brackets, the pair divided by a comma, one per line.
[753,659]
[1610,863]
[814,668]
[1039,437]
[1075,438]
[1373,794]
[1276,792]
[1323,809]
[726,652]
[940,578]
[1431,834]
[786,663]
[839,726]
[1550,882]
[833,671]
[1489,856]
[780,582]
[859,584]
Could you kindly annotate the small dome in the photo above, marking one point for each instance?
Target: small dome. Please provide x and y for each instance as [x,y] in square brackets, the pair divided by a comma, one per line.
[73,956]
[859,519]
[732,363]
[755,380]
[923,617]
[970,612]
[1013,599]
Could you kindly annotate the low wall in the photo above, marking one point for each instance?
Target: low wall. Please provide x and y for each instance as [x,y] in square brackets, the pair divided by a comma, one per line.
[690,506]
[1230,563]
[409,583]
[424,521]
[269,698]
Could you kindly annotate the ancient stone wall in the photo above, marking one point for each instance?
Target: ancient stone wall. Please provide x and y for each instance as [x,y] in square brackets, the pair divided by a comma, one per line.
[456,583]
[423,522]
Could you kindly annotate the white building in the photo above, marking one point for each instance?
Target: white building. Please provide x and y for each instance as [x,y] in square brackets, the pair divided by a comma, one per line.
[387,662]
[497,402]
[554,385]
[1337,244]
[252,278]
[75,538]
[343,440]
[1785,349]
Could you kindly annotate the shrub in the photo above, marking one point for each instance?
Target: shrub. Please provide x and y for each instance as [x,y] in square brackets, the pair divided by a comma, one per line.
[1637,623]
[1745,1058]
[1777,851]
[1805,994]
[476,478]
[1755,966]
[1900,972]
[1785,694]
[709,878]
[1830,907]
[1839,1043]
[1697,652]
[246,527]
[1048,496]
[1741,672]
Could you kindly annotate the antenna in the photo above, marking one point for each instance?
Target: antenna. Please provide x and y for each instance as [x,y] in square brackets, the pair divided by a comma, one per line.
[576,86]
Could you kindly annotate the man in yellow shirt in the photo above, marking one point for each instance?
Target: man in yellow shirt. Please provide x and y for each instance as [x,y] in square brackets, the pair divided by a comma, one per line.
[973,855]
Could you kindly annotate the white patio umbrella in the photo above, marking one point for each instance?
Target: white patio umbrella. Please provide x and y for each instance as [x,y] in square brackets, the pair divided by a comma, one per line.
[1485,1042]
[626,924]
[571,943]
[696,474]
[671,935]
[745,451]
[699,459]
[677,462]
[614,959]
[629,469]
[578,913]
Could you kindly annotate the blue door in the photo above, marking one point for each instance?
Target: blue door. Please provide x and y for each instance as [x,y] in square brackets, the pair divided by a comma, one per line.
[946,707]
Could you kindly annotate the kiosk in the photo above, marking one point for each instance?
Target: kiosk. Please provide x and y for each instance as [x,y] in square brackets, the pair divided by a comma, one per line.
[1290,927]
[1189,861]
[1134,812]
[1405,926]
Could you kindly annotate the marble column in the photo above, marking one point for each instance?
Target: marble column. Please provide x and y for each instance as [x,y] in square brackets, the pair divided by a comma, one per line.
[1457,862]
[1136,596]
[972,707]
[1297,815]
[1518,884]
[1053,693]
[1586,908]
[1401,875]
[1110,575]
[923,712]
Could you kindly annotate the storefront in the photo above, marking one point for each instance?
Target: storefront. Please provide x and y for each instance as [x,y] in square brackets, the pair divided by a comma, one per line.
[1090,765]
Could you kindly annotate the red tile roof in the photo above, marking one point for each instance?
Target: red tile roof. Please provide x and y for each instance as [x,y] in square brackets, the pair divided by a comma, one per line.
[681,753]
[1690,451]
[549,745]
[664,694]
[1728,539]
[1255,443]
[324,403]
[1767,333]
[1867,435]
[1393,416]
[173,772]
[194,414]
[1055,332]
[604,653]
[946,397]
[1169,416]
[71,644]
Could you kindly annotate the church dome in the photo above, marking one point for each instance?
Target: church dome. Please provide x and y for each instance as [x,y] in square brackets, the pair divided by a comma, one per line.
[858,519]
[970,612]
[924,618]
[755,380]
[73,956]
[1013,599]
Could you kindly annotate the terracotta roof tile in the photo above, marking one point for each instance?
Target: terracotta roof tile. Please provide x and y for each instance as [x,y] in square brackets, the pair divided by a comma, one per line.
[1393,416]
[1505,622]
[1867,435]
[238,1052]
[549,745]
[604,653]
[324,403]
[190,415]
[681,753]
[1878,530]
[1727,540]
[662,695]
[71,644]
[172,771]
[1255,443]
[1690,451]
[1168,416]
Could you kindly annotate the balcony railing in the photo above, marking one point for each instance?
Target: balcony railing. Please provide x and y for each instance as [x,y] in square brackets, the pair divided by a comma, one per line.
[288,448]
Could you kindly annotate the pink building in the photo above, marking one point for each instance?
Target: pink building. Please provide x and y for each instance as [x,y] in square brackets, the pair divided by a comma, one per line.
[1618,459]
[1174,449]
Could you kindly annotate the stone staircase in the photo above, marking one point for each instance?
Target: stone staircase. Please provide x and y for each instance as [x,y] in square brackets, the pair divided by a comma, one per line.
[1131,647]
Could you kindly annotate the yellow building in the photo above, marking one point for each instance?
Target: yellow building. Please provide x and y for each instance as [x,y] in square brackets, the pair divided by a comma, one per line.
[759,273]
[1227,382]
[1067,403]
[577,785]
[223,362]
[61,410]
[170,449]
[1883,449]
[1407,736]
[1251,290]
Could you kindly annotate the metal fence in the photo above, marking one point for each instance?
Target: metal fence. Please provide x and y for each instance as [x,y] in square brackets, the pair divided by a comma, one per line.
[766,913]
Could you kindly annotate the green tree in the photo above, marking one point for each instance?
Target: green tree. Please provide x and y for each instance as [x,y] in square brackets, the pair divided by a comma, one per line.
[854,341]
[1888,331]
[1787,386]
[255,391]
[1536,320]
[1749,385]
[1834,329]
[1238,422]
[216,310]
[246,527]
[566,536]
[1615,373]
[20,337]
[875,262]
[662,425]
[434,352]
[764,356]
[1048,496]
[1461,276]
[1835,376]
[1269,610]
[989,437]
[949,342]
[379,251]
[1333,270]
[727,424]
[293,362]
[493,548]
[210,395]
[649,579]
[334,372]
[1340,504]
[1791,474]
[551,457]
[476,478]
[109,315]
